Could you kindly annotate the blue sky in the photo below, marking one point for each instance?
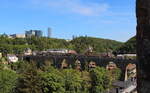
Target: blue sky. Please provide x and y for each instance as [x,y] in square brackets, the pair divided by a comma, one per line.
[112,19]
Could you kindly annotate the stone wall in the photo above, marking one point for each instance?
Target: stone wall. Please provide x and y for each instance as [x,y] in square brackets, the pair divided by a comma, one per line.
[143,45]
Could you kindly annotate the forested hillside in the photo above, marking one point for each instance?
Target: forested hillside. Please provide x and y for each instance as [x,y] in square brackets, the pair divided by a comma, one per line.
[18,45]
[79,44]
[128,47]
[99,45]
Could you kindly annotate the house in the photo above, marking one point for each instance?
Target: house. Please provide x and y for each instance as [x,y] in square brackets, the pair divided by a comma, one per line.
[107,55]
[17,36]
[28,51]
[128,86]
[12,58]
[130,72]
[62,51]
[89,51]
[120,56]
[126,56]
[72,52]
[130,56]
[0,55]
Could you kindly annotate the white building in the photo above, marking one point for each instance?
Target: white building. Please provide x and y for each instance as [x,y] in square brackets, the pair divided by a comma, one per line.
[28,51]
[17,36]
[63,51]
[0,55]
[130,72]
[130,55]
[123,56]
[12,58]
[120,56]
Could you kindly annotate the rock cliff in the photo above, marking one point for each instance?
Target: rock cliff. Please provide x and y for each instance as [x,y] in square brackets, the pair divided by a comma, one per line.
[143,45]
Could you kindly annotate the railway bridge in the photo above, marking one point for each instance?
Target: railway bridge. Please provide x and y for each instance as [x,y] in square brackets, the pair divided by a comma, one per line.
[67,60]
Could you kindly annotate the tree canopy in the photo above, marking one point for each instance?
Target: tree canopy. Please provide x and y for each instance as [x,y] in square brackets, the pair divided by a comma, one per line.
[99,45]
[128,47]
[8,81]
[28,78]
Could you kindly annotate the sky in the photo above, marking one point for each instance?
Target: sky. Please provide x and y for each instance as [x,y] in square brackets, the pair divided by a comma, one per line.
[110,19]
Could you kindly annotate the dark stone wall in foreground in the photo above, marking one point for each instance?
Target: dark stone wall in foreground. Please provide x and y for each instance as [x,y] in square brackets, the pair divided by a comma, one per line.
[143,45]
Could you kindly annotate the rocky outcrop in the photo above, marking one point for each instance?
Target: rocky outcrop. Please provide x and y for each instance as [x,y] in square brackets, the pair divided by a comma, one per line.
[143,45]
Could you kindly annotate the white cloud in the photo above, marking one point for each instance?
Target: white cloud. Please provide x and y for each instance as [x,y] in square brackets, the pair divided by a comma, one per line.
[74,6]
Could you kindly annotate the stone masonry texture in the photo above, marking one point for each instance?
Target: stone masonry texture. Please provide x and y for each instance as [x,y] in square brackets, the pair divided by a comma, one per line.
[143,45]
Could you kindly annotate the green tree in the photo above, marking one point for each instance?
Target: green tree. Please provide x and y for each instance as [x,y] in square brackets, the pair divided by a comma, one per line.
[52,81]
[8,80]
[115,74]
[128,47]
[72,80]
[86,82]
[99,45]
[100,80]
[29,80]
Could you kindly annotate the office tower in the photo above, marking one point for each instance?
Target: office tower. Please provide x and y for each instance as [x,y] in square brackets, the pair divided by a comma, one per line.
[49,33]
[36,33]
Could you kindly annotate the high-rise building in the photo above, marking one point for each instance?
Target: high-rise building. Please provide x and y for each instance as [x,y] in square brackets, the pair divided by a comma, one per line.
[49,33]
[36,33]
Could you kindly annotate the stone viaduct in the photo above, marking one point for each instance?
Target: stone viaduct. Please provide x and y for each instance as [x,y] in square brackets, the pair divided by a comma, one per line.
[57,61]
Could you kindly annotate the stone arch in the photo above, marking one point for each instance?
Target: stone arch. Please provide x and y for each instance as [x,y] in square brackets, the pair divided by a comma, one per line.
[111,65]
[92,64]
[77,65]
[49,62]
[64,64]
